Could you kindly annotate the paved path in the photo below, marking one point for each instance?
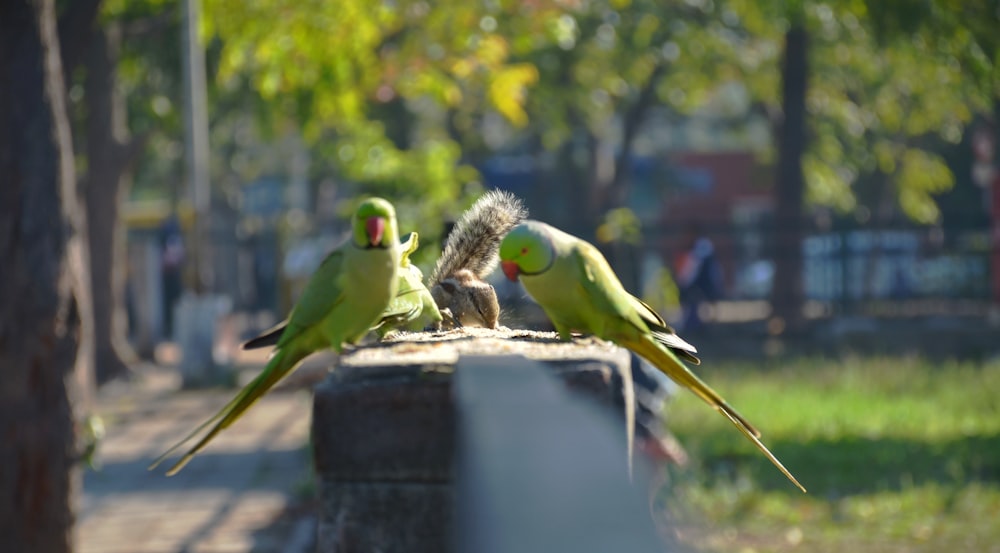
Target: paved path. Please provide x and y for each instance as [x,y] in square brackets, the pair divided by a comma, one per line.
[233,497]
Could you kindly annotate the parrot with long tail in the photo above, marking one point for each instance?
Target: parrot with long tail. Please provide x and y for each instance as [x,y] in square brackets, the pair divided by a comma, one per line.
[578,290]
[343,299]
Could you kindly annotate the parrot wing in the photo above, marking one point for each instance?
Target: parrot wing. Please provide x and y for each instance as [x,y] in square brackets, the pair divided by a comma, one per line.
[403,309]
[663,333]
[323,292]
[603,285]
[320,296]
[412,303]
[267,338]
[605,293]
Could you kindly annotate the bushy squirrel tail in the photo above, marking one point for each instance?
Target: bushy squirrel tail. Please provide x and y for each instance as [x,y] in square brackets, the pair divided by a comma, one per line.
[475,239]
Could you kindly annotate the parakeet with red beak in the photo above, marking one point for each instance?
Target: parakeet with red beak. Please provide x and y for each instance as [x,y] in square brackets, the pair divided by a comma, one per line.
[412,308]
[578,290]
[342,300]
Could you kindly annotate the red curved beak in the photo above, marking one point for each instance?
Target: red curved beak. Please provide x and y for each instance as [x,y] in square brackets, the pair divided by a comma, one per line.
[510,269]
[375,226]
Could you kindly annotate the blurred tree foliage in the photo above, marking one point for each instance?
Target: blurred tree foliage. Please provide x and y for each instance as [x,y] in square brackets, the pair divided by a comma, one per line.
[371,83]
[149,81]
[405,97]
[890,82]
[114,65]
[886,86]
[602,66]
[394,95]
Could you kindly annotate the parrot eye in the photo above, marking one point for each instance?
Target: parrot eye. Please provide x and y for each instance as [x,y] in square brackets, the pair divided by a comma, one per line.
[524,251]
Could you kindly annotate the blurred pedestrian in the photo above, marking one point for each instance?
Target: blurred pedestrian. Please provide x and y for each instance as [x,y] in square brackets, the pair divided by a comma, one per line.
[699,277]
[172,254]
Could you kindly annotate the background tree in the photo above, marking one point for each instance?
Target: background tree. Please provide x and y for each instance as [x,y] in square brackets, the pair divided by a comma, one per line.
[603,69]
[45,313]
[104,107]
[601,65]
[368,86]
[397,99]
[109,152]
[881,100]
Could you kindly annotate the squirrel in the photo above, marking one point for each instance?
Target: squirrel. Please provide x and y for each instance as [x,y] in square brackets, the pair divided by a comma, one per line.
[458,283]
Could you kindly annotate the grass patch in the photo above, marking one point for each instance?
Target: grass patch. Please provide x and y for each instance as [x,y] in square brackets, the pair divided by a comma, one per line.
[898,454]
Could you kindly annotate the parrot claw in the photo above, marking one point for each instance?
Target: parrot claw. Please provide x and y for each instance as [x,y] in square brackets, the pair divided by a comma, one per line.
[448,320]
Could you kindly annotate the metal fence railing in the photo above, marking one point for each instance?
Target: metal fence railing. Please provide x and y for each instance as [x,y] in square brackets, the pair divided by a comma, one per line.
[875,271]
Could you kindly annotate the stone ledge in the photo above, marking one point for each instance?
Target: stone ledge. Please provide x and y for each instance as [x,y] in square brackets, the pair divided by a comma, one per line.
[444,348]
[391,427]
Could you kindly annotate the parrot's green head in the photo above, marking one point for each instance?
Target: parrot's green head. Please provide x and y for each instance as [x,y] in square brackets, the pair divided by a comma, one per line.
[527,250]
[374,224]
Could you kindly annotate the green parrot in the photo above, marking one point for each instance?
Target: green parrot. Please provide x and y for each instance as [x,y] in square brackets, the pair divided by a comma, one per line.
[578,290]
[412,308]
[342,300]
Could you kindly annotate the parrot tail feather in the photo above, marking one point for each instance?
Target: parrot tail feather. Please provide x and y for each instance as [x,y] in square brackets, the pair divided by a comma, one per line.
[195,432]
[669,365]
[663,360]
[767,452]
[277,367]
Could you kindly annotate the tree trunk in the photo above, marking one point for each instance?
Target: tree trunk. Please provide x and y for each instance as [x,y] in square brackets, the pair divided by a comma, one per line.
[575,186]
[45,345]
[624,255]
[632,121]
[76,24]
[788,294]
[105,184]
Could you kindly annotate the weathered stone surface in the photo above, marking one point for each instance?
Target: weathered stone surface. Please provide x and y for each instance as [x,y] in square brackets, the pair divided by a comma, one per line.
[383,424]
[386,434]
[444,348]
[385,517]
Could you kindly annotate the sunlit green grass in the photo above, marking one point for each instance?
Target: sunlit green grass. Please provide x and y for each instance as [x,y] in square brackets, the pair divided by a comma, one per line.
[898,454]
